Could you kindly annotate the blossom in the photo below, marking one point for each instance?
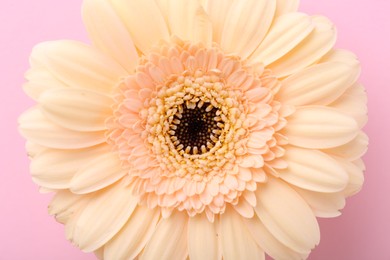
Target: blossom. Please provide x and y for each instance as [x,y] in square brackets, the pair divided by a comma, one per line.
[200,129]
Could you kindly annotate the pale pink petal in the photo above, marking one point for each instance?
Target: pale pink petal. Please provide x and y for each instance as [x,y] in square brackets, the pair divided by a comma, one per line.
[54,169]
[97,174]
[108,33]
[319,128]
[320,84]
[236,241]
[78,65]
[202,239]
[244,209]
[36,128]
[286,32]
[134,235]
[173,232]
[352,150]
[246,24]
[145,13]
[287,216]
[103,217]
[313,170]
[76,109]
[310,50]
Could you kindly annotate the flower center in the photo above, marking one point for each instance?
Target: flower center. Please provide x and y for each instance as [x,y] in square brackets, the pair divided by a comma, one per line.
[196,128]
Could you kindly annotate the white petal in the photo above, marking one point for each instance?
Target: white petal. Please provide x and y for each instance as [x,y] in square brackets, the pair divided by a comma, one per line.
[320,84]
[268,242]
[169,241]
[246,24]
[353,103]
[237,243]
[97,174]
[134,235]
[78,65]
[319,128]
[76,109]
[310,50]
[217,11]
[287,216]
[103,217]
[54,169]
[324,205]
[108,33]
[286,6]
[286,32]
[313,170]
[38,129]
[147,14]
[352,150]
[39,80]
[202,239]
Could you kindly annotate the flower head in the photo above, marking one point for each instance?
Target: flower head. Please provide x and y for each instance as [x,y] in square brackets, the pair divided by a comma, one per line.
[194,128]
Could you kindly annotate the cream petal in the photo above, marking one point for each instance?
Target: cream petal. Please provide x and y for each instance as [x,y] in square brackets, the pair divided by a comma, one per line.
[320,84]
[313,170]
[202,28]
[78,65]
[33,149]
[309,51]
[340,55]
[286,32]
[103,217]
[76,109]
[39,80]
[108,33]
[236,241]
[169,241]
[244,209]
[97,174]
[134,235]
[202,239]
[217,11]
[286,6]
[319,128]
[324,205]
[246,24]
[352,150]
[36,128]
[54,169]
[99,253]
[268,242]
[287,216]
[353,103]
[145,13]
[356,175]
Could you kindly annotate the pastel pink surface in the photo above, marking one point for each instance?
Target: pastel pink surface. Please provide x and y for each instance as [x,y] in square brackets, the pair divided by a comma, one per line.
[26,230]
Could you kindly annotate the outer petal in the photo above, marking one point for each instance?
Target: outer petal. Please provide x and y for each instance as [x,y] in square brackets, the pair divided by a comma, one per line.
[355,172]
[246,24]
[319,128]
[286,6]
[353,103]
[38,129]
[324,205]
[352,150]
[268,242]
[169,241]
[108,33]
[287,216]
[76,109]
[77,65]
[217,11]
[313,170]
[237,243]
[146,13]
[54,169]
[309,51]
[202,239]
[286,32]
[130,241]
[104,170]
[102,218]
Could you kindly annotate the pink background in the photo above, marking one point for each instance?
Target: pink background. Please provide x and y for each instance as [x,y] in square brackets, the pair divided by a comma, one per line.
[26,230]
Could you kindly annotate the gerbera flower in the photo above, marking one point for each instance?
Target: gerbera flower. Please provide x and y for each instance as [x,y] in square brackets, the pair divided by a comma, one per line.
[200,129]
